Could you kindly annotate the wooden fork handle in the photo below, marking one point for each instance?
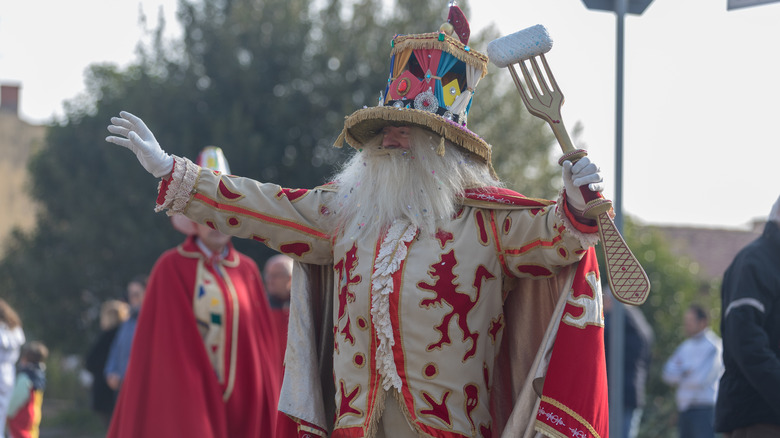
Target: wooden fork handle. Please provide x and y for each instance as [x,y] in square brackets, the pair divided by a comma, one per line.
[567,146]
[629,282]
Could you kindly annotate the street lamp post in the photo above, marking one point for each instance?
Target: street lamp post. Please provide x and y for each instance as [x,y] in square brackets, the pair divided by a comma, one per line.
[618,317]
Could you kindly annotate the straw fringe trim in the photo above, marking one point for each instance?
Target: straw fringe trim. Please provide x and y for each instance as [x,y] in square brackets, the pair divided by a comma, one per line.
[350,139]
[373,425]
[467,140]
[412,421]
[431,41]
[183,181]
[340,140]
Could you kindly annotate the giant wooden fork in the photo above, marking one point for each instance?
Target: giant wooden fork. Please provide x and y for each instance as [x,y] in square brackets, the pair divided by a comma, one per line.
[544,99]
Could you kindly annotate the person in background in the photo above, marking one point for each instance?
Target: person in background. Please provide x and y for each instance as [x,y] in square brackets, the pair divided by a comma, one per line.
[24,410]
[694,369]
[637,355]
[112,314]
[206,357]
[11,341]
[277,273]
[748,404]
[119,353]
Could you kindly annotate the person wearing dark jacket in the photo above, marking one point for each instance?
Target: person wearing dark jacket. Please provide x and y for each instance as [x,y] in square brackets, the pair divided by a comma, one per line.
[637,355]
[748,402]
[112,314]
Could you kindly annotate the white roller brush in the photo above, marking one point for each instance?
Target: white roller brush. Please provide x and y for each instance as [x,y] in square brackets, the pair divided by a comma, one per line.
[519,46]
[523,51]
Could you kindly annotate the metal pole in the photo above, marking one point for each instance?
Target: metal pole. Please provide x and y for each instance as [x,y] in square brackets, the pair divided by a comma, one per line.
[618,204]
[618,317]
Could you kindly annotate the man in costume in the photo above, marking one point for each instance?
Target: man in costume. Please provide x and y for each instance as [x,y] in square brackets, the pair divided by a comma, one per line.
[414,263]
[205,359]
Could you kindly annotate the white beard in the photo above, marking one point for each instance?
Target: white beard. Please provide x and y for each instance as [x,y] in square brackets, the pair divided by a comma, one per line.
[378,185]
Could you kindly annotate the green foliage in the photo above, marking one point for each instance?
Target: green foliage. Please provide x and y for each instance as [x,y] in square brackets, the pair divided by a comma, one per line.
[674,286]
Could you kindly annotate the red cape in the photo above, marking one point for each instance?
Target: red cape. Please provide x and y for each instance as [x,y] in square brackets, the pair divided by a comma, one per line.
[170,388]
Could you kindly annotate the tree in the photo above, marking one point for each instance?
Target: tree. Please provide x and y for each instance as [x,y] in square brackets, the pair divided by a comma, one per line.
[269,81]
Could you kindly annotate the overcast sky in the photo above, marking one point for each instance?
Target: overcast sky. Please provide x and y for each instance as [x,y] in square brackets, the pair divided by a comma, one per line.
[701,86]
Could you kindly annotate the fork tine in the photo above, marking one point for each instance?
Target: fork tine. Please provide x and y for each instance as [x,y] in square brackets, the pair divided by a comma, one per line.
[519,84]
[529,83]
[545,88]
[549,74]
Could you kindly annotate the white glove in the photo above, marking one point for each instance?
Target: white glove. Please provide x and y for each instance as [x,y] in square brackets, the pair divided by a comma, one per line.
[579,174]
[141,141]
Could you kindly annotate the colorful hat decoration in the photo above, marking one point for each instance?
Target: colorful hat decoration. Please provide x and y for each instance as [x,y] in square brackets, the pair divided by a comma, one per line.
[211,157]
[432,81]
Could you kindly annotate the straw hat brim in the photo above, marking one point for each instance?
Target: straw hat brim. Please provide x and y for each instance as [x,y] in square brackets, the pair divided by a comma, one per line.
[364,124]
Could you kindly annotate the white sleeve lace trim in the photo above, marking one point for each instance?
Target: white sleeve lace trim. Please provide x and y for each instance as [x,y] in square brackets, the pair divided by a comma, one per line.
[586,239]
[182,186]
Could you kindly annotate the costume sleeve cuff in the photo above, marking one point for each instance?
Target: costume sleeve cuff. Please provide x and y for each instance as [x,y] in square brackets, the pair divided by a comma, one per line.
[585,230]
[309,430]
[175,192]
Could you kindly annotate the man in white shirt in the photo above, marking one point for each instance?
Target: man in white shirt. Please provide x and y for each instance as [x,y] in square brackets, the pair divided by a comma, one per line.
[695,368]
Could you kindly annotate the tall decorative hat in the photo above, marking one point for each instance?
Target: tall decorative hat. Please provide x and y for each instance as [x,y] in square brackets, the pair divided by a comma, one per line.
[432,81]
[211,157]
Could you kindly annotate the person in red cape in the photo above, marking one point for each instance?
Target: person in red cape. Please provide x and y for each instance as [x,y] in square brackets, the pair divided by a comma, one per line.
[427,300]
[205,360]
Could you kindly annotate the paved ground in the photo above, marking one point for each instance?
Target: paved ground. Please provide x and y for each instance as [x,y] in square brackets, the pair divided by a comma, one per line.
[62,419]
